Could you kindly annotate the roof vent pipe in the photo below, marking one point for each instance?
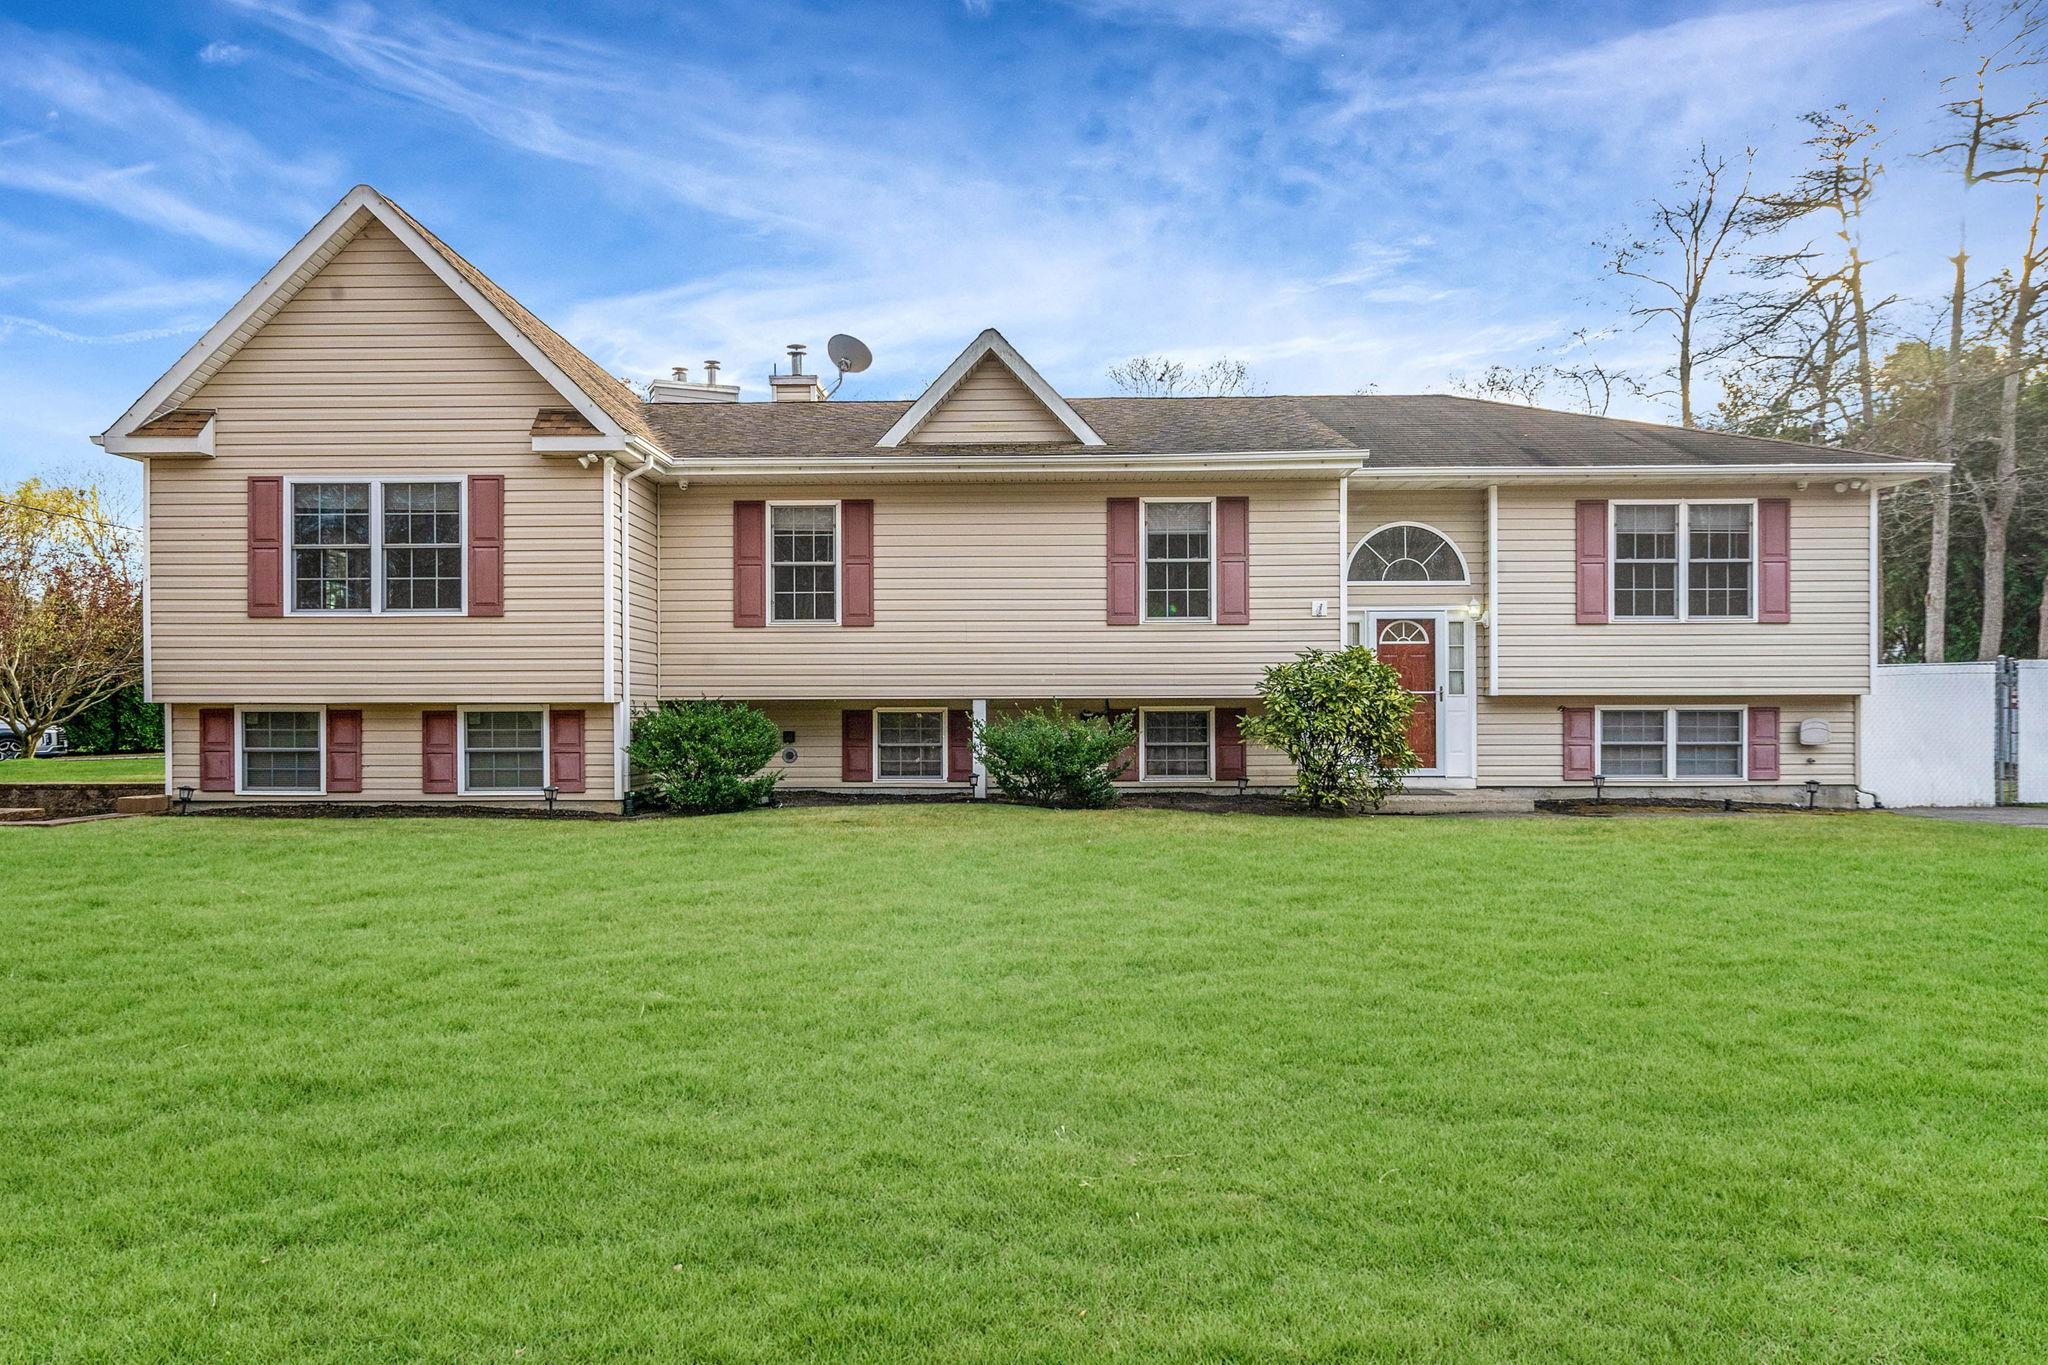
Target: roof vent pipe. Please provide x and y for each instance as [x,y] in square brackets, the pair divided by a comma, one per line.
[711,372]
[682,374]
[796,357]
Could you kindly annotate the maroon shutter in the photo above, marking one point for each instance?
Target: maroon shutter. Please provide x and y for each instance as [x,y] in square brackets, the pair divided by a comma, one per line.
[1230,765]
[1774,560]
[565,749]
[857,562]
[1233,561]
[1579,764]
[960,746]
[266,548]
[216,749]
[750,564]
[437,752]
[1763,744]
[1592,561]
[1128,759]
[344,751]
[856,746]
[1123,561]
[487,545]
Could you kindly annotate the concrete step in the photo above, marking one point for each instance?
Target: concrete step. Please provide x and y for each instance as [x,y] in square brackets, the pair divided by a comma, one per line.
[14,815]
[141,805]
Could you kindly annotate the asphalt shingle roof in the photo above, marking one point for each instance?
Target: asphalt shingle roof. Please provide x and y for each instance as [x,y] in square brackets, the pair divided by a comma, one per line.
[1419,431]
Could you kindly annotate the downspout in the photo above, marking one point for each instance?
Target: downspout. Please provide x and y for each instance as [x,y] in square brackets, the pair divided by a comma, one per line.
[622,713]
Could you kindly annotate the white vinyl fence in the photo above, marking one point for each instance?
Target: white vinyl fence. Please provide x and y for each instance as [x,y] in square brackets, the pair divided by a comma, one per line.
[1930,736]
[2033,728]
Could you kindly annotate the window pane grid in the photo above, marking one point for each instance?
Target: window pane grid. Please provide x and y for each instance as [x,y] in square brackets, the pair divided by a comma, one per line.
[1709,743]
[910,744]
[1718,560]
[422,547]
[1632,743]
[1177,561]
[281,751]
[331,546]
[1406,554]
[501,750]
[1671,744]
[1176,744]
[804,563]
[1646,560]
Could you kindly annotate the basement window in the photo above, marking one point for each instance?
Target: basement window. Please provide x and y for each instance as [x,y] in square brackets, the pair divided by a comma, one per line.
[281,751]
[1175,745]
[1690,744]
[910,746]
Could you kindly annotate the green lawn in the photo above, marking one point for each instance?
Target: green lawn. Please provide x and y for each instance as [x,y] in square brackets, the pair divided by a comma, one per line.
[990,1084]
[146,768]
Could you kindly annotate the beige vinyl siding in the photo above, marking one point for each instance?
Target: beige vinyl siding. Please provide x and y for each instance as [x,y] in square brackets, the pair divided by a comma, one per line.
[994,591]
[391,758]
[990,406]
[376,369]
[1521,740]
[817,727]
[642,558]
[1823,651]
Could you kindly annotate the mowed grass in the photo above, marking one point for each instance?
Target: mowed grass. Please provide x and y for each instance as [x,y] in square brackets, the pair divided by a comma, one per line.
[121,768]
[991,1084]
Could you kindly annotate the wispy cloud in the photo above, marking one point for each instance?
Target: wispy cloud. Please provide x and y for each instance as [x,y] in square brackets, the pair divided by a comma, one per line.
[223,54]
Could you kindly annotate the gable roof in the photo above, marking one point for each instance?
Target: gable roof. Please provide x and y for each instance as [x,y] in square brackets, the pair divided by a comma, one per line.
[608,405]
[1420,432]
[990,344]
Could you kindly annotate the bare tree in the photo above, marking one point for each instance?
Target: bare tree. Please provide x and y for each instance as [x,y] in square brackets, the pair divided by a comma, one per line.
[1503,384]
[1836,189]
[1791,370]
[1672,263]
[1157,376]
[1987,141]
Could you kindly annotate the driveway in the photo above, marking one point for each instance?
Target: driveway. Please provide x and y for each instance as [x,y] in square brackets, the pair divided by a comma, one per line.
[2035,817]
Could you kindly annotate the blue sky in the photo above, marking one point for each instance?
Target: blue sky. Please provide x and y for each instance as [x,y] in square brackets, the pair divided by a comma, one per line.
[1342,195]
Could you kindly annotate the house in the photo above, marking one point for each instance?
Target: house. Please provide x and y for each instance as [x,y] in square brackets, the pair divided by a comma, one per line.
[406,544]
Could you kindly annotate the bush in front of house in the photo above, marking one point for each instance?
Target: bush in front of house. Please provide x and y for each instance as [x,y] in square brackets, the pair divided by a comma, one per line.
[1341,716]
[704,757]
[1050,758]
[120,724]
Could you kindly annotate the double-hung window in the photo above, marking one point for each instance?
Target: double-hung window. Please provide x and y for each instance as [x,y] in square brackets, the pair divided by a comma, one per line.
[504,751]
[910,746]
[1175,744]
[1179,560]
[376,545]
[803,561]
[1672,743]
[1684,561]
[281,751]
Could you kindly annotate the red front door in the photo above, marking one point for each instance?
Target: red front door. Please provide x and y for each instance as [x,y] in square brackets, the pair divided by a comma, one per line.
[1408,646]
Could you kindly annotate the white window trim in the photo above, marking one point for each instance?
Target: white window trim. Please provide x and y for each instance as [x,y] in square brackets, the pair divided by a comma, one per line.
[838,560]
[875,743]
[241,772]
[547,752]
[1145,615]
[1670,777]
[1684,506]
[376,483]
[1464,579]
[1144,711]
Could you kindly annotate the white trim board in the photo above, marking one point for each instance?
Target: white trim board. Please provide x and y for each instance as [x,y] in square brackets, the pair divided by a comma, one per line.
[989,343]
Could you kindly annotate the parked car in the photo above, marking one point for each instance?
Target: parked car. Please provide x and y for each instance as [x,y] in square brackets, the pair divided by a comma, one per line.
[53,742]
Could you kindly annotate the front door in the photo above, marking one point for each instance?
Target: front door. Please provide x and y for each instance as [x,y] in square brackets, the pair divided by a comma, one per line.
[1407,644]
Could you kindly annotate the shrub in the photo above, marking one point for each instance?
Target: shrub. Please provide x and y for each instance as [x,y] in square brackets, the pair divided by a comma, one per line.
[1342,717]
[1049,758]
[121,724]
[704,757]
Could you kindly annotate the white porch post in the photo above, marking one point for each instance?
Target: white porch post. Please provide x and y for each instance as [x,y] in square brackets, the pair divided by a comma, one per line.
[980,773]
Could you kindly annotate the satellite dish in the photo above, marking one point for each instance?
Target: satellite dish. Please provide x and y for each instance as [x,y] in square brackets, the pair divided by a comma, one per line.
[849,354]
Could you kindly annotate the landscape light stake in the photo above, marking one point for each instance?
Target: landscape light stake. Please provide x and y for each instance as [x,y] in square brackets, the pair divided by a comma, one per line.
[1600,787]
[184,799]
[551,793]
[1812,793]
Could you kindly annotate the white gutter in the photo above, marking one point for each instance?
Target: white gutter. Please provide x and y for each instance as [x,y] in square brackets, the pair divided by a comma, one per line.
[622,712]
[778,467]
[1910,469]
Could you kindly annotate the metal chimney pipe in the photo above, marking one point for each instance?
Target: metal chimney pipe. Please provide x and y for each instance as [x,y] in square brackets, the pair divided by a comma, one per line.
[682,374]
[711,372]
[796,357]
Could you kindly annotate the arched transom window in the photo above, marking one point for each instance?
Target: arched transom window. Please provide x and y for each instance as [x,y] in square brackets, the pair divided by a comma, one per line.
[1407,552]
